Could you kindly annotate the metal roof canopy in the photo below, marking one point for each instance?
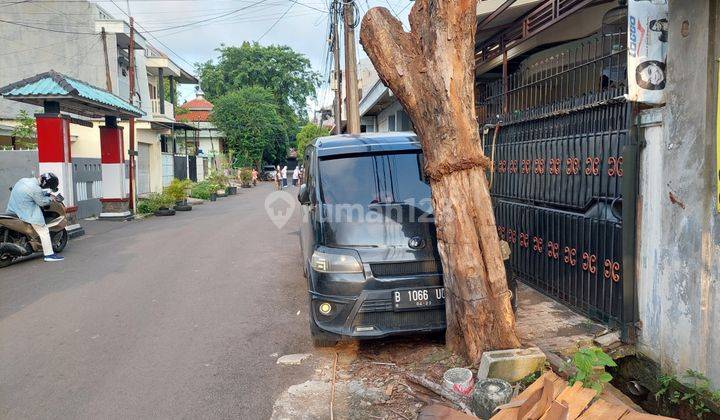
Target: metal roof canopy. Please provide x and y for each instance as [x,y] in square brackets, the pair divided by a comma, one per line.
[73,96]
[177,125]
[535,17]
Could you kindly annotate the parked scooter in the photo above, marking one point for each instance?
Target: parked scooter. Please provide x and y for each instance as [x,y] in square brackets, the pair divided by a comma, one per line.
[18,239]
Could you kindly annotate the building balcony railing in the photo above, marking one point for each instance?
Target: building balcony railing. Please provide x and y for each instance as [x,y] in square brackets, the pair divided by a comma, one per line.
[169,109]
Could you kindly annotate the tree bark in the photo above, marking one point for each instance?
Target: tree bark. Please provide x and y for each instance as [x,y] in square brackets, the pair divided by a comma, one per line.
[431,71]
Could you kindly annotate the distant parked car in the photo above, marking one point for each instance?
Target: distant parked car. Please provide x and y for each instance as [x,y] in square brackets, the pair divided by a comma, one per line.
[268,173]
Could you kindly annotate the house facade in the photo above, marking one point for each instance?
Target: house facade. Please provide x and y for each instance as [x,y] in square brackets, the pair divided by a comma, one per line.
[84,41]
[210,140]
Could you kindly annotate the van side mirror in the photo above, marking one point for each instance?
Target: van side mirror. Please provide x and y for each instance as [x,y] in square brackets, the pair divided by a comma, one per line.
[304,195]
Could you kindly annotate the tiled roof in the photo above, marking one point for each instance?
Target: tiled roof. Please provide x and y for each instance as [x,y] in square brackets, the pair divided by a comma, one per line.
[199,103]
[74,95]
[197,116]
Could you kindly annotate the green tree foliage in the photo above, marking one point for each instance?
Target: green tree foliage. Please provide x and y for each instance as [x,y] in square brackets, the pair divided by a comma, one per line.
[287,74]
[307,134]
[25,131]
[250,120]
[278,68]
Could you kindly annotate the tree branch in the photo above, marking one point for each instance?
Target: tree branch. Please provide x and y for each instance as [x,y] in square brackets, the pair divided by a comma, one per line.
[395,53]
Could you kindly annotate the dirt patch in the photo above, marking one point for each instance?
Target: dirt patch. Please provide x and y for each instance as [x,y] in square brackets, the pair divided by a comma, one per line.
[370,381]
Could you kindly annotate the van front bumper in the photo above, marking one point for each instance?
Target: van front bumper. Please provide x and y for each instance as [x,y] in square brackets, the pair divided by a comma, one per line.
[371,315]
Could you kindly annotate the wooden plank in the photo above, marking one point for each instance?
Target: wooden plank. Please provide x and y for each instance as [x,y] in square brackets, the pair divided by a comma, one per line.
[576,398]
[441,412]
[634,415]
[557,411]
[615,396]
[602,410]
[532,392]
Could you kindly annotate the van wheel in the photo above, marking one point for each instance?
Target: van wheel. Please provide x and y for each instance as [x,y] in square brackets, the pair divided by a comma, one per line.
[59,241]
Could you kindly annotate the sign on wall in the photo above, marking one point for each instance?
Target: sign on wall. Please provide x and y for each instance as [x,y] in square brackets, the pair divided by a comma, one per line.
[647,50]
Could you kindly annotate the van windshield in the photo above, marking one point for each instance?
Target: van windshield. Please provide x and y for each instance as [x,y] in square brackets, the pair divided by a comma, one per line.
[377,179]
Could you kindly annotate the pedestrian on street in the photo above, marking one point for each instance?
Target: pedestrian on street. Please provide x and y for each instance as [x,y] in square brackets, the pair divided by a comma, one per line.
[278,178]
[283,173]
[26,199]
[254,176]
[296,176]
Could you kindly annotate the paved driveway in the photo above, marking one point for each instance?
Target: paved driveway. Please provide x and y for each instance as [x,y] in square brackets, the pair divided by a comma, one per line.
[161,318]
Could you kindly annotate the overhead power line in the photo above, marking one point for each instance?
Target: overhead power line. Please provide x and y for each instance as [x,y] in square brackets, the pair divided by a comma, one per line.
[276,22]
[155,38]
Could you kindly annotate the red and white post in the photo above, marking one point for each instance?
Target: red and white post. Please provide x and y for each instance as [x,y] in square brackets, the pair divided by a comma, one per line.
[115,199]
[54,155]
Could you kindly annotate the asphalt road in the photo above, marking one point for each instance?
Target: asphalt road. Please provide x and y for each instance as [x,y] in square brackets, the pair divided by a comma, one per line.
[174,317]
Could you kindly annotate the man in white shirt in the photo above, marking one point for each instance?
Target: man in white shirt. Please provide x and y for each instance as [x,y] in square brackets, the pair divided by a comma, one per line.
[296,175]
[283,174]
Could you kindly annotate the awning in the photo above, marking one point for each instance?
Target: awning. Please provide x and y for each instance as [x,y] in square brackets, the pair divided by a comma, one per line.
[177,125]
[74,96]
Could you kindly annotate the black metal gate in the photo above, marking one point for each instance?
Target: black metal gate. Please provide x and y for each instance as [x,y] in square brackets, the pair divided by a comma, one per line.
[559,135]
[192,168]
[180,168]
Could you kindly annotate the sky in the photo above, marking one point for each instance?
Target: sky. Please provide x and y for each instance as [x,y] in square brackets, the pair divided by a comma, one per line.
[299,24]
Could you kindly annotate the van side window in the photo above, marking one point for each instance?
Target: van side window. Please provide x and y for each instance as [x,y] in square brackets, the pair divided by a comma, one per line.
[309,171]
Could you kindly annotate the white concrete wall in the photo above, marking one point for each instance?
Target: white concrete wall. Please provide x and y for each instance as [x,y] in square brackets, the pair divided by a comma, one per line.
[27,52]
[678,246]
[382,117]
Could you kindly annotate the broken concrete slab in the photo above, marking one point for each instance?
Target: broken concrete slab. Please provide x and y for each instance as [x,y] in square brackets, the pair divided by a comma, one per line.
[510,365]
[293,359]
[367,393]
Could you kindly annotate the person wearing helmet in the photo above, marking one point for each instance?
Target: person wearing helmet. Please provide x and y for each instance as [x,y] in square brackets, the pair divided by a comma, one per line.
[26,199]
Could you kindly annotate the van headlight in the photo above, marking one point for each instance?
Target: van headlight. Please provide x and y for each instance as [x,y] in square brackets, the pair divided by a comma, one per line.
[324,262]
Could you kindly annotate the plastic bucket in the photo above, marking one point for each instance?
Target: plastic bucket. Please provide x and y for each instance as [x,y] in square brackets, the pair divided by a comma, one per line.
[459,381]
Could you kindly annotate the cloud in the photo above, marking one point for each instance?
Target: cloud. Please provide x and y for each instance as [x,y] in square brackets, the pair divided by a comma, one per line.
[302,28]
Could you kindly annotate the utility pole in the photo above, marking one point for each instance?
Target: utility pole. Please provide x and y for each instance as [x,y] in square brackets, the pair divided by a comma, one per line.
[351,81]
[131,54]
[338,74]
[108,80]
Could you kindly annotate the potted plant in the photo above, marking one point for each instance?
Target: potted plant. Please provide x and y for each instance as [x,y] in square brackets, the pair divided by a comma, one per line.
[178,190]
[204,190]
[157,204]
[245,177]
[221,181]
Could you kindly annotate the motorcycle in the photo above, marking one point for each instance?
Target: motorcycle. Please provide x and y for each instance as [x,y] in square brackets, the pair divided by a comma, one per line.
[18,239]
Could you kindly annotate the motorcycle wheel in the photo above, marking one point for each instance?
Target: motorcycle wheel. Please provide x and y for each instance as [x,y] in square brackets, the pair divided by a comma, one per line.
[5,260]
[59,240]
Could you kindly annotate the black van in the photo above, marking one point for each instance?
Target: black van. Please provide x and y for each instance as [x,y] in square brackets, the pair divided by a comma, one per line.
[368,238]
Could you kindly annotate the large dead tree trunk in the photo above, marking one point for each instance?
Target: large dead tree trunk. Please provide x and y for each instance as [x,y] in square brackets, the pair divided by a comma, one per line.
[431,71]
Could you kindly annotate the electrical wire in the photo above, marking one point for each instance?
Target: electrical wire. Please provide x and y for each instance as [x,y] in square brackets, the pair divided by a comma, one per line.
[155,38]
[275,23]
[207,19]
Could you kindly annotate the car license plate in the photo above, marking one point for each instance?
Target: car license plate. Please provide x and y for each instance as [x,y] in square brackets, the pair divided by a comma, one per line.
[423,298]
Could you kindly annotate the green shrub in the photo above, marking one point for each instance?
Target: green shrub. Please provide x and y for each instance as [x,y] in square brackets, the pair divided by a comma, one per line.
[153,202]
[246,176]
[219,179]
[590,363]
[203,190]
[178,189]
